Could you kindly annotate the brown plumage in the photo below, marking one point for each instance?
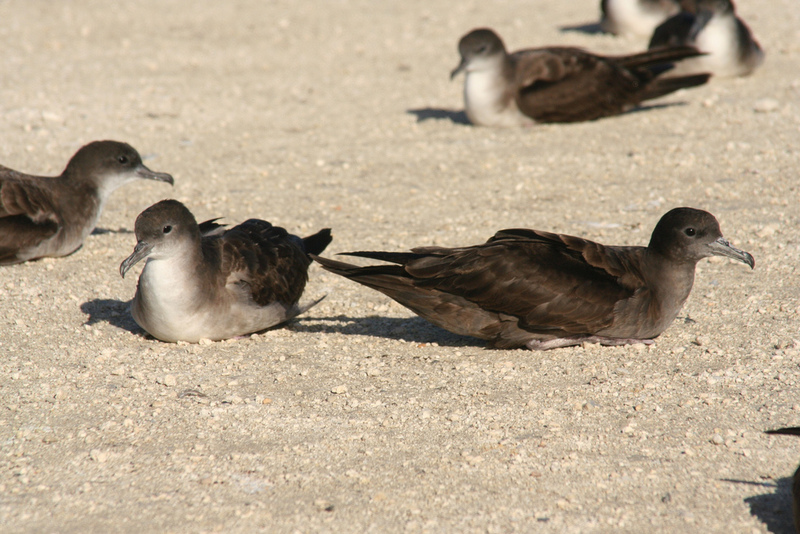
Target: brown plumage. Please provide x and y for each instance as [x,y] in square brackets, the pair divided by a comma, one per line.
[201,281]
[792,431]
[51,216]
[559,84]
[543,290]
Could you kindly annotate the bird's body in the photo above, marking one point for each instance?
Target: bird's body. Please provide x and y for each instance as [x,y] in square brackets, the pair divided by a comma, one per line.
[559,84]
[635,18]
[543,290]
[712,27]
[44,216]
[219,284]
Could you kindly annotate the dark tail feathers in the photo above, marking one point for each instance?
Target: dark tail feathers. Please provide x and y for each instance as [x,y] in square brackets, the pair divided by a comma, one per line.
[789,431]
[315,244]
[666,85]
[392,257]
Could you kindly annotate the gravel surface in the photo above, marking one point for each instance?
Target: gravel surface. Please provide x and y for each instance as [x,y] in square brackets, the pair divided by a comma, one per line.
[361,417]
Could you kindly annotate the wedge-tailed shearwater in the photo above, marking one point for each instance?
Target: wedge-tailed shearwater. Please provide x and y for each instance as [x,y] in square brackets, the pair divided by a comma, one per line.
[43,216]
[558,84]
[528,288]
[712,26]
[635,18]
[205,282]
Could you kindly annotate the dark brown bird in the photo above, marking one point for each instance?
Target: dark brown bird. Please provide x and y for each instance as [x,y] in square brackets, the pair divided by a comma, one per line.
[42,216]
[560,84]
[203,282]
[528,288]
[792,431]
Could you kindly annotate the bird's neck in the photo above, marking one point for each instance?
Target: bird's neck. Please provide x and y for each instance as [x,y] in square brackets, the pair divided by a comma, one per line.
[81,203]
[488,92]
[670,281]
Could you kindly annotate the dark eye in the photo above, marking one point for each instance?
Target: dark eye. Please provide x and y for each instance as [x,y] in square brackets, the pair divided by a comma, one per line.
[122,159]
[690,232]
[167,229]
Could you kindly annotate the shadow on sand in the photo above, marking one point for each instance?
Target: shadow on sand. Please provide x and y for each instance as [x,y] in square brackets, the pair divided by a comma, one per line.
[412,330]
[774,509]
[590,28]
[424,114]
[113,312]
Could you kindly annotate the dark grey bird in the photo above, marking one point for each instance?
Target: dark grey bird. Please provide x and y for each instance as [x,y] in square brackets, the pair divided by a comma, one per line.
[42,216]
[528,288]
[792,431]
[635,18]
[205,282]
[728,46]
[560,84]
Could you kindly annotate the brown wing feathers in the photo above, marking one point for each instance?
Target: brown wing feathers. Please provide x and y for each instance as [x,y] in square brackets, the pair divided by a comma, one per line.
[272,263]
[517,277]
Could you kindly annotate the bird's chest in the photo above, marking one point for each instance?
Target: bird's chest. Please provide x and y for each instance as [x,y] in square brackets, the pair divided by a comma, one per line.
[167,299]
[488,102]
[719,40]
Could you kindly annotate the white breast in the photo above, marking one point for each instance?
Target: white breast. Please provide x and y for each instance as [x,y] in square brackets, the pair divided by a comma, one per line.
[170,305]
[485,99]
[631,18]
[720,42]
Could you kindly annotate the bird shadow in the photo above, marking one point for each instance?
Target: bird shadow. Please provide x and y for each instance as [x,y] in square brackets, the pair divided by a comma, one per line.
[590,28]
[774,509]
[113,312]
[424,114]
[412,330]
[102,231]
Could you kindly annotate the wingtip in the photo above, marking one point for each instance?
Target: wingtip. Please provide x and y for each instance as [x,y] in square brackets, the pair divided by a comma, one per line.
[786,431]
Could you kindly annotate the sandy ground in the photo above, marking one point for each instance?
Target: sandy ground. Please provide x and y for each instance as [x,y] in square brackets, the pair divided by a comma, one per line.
[361,417]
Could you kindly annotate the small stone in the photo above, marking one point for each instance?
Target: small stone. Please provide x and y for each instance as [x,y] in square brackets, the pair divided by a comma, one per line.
[324,505]
[766,105]
[98,456]
[339,390]
[717,439]
[169,381]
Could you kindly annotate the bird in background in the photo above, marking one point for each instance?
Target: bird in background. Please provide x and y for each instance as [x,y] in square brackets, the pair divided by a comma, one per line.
[637,18]
[535,289]
[52,216]
[728,46]
[560,84]
[207,282]
[792,431]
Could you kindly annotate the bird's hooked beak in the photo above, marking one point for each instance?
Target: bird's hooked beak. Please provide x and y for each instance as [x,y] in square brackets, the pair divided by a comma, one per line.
[721,247]
[140,252]
[147,174]
[459,69]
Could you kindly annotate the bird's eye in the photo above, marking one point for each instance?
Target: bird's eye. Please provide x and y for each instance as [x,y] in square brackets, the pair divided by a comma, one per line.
[167,229]
[122,159]
[690,232]
[481,50]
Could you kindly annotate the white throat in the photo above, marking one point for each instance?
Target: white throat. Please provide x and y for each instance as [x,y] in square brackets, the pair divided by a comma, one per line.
[486,95]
